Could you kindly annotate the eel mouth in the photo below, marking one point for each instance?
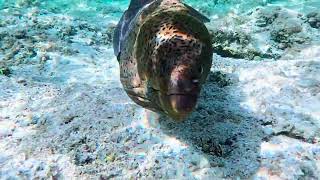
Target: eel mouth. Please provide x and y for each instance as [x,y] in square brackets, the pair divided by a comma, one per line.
[178,106]
[183,103]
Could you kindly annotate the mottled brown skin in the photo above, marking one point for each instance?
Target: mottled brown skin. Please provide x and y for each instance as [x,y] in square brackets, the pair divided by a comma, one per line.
[166,58]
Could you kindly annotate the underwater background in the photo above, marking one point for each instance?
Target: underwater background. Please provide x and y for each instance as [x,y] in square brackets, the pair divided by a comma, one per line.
[64,114]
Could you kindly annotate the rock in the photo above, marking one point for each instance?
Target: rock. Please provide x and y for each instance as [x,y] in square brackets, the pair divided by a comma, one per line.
[20,34]
[83,158]
[273,32]
[237,44]
[111,9]
[266,16]
[5,71]
[67,32]
[230,43]
[284,32]
[313,19]
[107,35]
[28,3]
[220,78]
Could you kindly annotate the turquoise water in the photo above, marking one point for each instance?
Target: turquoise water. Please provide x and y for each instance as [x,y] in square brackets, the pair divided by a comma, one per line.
[91,8]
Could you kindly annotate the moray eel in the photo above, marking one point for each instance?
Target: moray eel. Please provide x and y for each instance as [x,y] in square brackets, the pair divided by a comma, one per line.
[164,52]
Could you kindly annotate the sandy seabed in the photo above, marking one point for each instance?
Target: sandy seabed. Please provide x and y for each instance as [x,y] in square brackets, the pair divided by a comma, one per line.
[64,114]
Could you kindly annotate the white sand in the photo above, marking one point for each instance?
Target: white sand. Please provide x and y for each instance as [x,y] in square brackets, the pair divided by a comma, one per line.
[68,118]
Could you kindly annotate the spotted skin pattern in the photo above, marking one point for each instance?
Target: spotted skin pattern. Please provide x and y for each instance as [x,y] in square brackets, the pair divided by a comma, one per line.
[166,52]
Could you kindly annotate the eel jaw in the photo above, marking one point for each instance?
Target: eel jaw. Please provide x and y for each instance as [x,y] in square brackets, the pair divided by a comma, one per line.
[178,106]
